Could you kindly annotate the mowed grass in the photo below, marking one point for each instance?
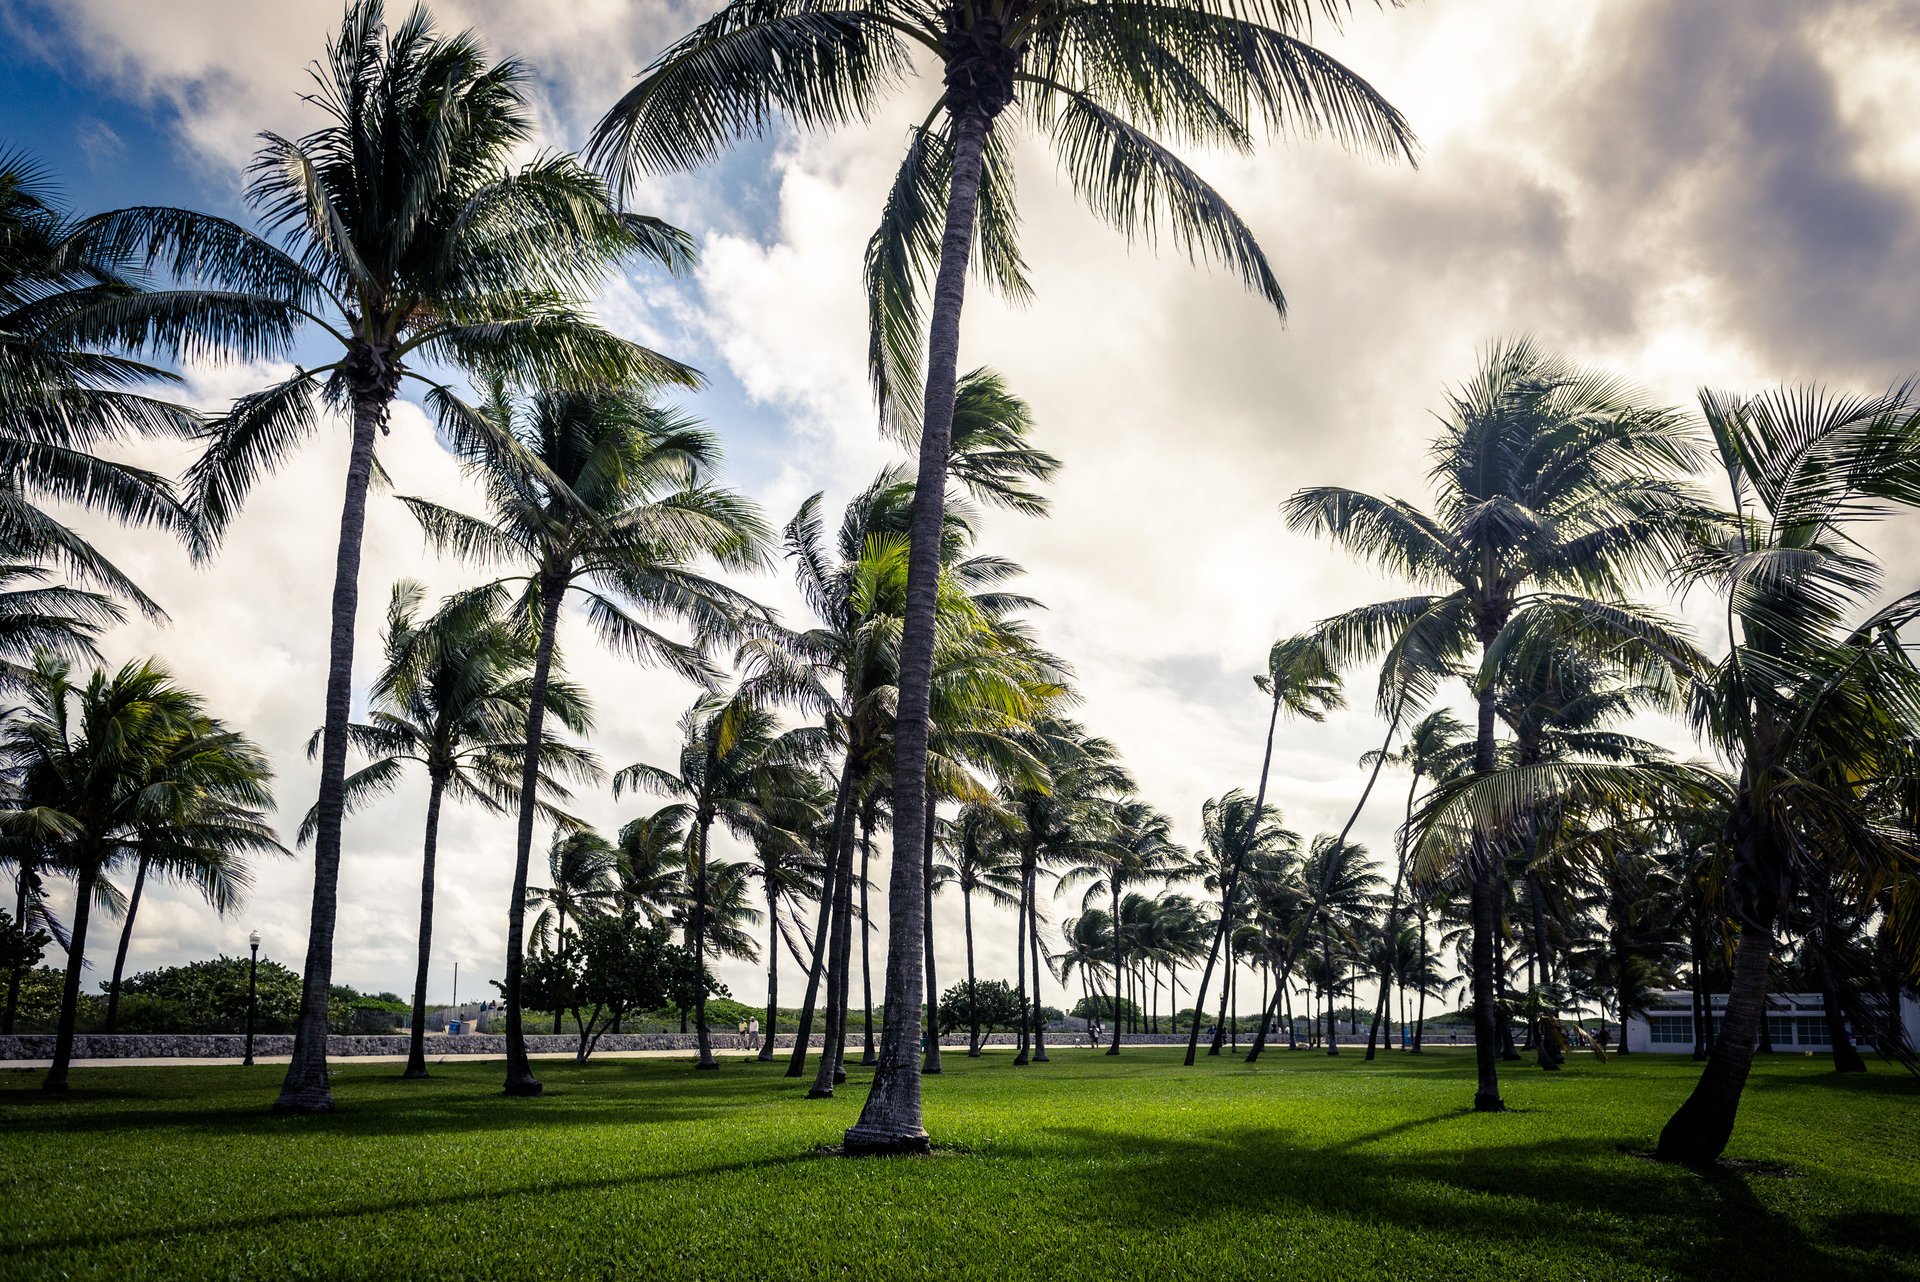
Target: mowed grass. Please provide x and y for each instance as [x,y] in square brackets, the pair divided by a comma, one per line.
[1085,1167]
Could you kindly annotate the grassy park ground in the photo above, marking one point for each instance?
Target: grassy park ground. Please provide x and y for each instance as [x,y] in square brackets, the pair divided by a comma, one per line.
[1088,1166]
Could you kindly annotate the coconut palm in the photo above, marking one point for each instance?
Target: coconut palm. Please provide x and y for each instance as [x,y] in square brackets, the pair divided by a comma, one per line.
[731,754]
[581,870]
[123,769]
[653,865]
[1138,848]
[788,866]
[451,698]
[1236,833]
[1553,497]
[983,862]
[1342,891]
[1101,82]
[1815,703]
[67,388]
[412,236]
[620,513]
[1299,682]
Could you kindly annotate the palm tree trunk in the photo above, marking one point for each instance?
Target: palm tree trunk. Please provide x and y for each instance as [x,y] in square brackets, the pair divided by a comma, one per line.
[126,937]
[1697,1134]
[765,1055]
[1393,920]
[56,1079]
[24,875]
[1232,882]
[866,936]
[1113,1044]
[839,954]
[1020,967]
[417,1038]
[1486,1026]
[702,1034]
[1546,1054]
[1420,1003]
[520,1078]
[973,993]
[1270,1006]
[305,1088]
[841,834]
[890,1121]
[560,949]
[930,1063]
[1846,1058]
[1039,1015]
[1226,987]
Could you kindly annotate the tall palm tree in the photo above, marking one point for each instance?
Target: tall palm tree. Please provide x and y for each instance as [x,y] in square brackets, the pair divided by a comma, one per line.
[129,768]
[450,698]
[1138,849]
[730,751]
[653,864]
[410,236]
[583,882]
[983,862]
[1101,82]
[621,509]
[1342,890]
[1435,746]
[789,867]
[1553,496]
[1236,834]
[1301,683]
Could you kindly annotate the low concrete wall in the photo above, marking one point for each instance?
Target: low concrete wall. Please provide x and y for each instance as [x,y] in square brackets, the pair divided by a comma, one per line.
[233,1045]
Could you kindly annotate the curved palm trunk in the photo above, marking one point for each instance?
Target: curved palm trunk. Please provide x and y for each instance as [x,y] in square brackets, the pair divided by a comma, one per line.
[930,1063]
[839,953]
[1486,1041]
[305,1088]
[706,1062]
[822,929]
[1381,1011]
[126,937]
[1697,1134]
[520,1078]
[1269,1007]
[56,1079]
[1333,989]
[24,874]
[417,1038]
[1546,1053]
[560,949]
[765,1055]
[1226,989]
[973,993]
[866,936]
[1846,1057]
[1113,1045]
[1232,883]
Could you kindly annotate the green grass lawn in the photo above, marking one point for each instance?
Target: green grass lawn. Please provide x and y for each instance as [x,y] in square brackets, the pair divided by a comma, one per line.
[1088,1166]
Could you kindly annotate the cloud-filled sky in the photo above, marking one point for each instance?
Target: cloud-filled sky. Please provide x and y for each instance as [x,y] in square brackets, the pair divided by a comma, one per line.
[1716,192]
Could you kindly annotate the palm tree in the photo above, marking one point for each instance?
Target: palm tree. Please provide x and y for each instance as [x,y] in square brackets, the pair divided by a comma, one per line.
[1435,747]
[129,768]
[1342,889]
[65,391]
[984,862]
[1102,82]
[731,752]
[1549,504]
[1813,704]
[1139,848]
[582,869]
[789,868]
[620,509]
[1236,834]
[409,238]
[1300,682]
[450,698]
[653,864]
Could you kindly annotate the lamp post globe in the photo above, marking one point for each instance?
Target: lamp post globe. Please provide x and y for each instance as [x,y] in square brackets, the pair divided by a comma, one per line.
[253,990]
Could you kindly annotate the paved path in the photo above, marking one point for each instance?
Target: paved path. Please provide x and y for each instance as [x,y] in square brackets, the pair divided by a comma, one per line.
[40,1065]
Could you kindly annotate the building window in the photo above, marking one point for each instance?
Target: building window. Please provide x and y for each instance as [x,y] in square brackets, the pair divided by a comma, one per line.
[1780,1028]
[1813,1030]
[1671,1030]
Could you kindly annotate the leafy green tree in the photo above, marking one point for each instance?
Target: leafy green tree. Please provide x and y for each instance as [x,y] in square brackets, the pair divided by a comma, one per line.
[1105,83]
[619,963]
[210,996]
[986,1004]
[983,862]
[412,236]
[127,766]
[621,512]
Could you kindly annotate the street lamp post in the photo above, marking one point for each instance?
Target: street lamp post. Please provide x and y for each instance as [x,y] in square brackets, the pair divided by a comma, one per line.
[253,990]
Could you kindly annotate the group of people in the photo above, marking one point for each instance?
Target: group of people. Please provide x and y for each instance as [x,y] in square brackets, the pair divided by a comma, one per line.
[750,1033]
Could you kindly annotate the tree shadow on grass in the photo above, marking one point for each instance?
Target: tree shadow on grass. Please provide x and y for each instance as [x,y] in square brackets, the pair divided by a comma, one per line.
[1528,1200]
[351,1210]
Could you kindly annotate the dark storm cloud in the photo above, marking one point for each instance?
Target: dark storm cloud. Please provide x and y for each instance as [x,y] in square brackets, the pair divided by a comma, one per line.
[1712,139]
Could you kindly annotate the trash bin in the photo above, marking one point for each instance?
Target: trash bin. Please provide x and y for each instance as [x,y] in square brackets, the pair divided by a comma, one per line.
[453,1026]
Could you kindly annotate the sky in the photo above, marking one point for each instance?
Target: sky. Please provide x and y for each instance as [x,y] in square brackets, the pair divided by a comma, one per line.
[1715,193]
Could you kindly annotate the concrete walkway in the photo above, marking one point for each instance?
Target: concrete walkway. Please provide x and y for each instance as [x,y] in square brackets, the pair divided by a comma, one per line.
[41,1065]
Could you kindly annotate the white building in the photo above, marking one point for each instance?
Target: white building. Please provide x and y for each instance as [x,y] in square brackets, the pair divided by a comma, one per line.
[1796,1022]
